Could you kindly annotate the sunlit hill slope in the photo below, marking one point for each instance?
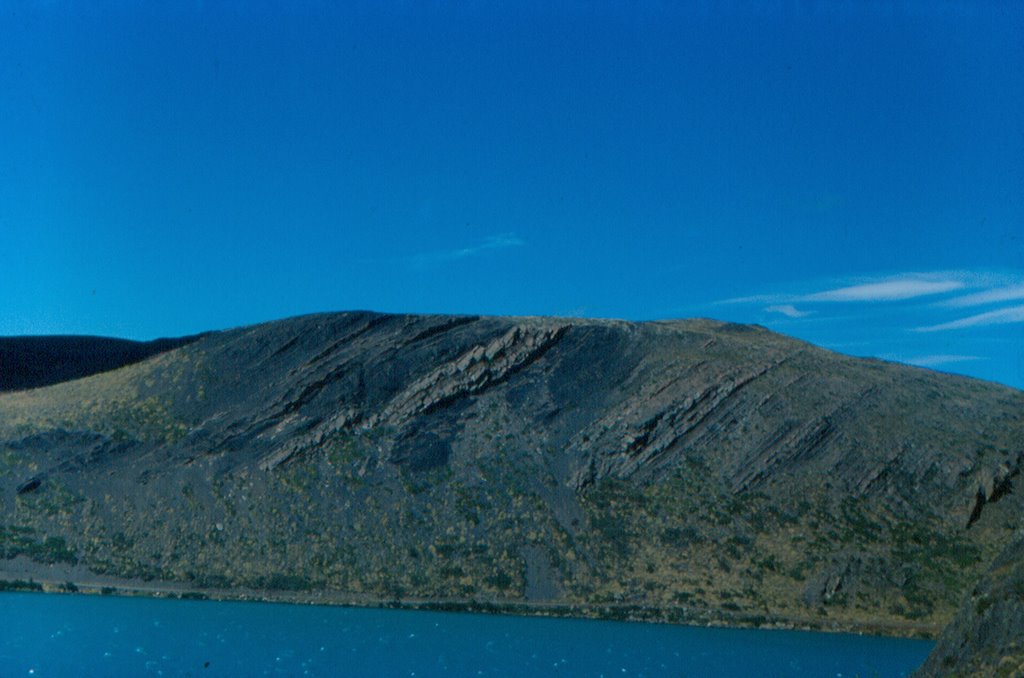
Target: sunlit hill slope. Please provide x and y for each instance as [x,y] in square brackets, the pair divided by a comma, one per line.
[687,470]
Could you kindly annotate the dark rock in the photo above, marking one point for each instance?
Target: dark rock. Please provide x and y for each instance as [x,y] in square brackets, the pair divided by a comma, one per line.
[986,638]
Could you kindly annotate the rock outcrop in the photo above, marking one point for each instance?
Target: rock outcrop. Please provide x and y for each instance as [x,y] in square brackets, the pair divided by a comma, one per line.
[986,638]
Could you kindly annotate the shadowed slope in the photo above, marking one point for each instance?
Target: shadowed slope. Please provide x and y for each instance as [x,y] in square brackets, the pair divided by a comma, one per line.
[32,362]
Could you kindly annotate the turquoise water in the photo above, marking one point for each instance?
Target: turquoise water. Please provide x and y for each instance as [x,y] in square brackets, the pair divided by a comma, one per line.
[57,635]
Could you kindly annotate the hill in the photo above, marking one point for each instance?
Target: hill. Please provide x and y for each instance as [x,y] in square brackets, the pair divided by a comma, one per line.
[32,362]
[691,471]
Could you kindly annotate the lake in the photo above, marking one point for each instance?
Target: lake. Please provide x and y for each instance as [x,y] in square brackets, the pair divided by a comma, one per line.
[51,635]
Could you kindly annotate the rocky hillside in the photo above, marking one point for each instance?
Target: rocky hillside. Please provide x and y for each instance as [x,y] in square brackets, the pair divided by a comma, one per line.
[986,638]
[686,470]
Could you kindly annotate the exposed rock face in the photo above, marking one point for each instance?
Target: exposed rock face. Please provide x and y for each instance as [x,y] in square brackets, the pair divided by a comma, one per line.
[993,485]
[986,638]
[700,470]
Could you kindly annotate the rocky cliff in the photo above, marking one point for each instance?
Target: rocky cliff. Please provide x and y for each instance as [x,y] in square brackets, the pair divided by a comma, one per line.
[686,470]
[986,638]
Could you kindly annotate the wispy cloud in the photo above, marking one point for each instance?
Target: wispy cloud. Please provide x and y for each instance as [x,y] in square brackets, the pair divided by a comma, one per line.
[1002,316]
[991,296]
[891,288]
[952,319]
[941,359]
[788,310]
[894,289]
[760,299]
[494,242]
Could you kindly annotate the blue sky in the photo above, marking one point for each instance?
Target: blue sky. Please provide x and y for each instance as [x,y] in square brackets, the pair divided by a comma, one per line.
[850,173]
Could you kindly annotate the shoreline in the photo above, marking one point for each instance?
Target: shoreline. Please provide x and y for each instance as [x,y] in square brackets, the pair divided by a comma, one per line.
[22,581]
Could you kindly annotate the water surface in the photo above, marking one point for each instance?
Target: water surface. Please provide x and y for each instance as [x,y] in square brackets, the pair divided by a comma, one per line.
[49,635]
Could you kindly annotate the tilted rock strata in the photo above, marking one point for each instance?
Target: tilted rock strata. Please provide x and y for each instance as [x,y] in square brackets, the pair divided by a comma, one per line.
[696,469]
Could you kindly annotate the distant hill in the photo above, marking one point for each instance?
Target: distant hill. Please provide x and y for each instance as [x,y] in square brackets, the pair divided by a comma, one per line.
[691,470]
[31,362]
